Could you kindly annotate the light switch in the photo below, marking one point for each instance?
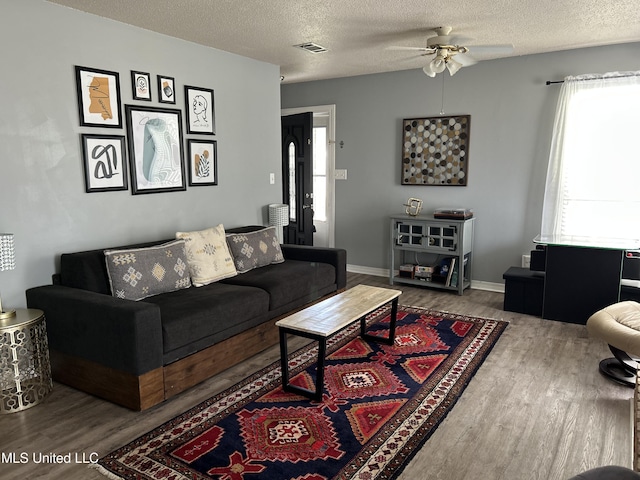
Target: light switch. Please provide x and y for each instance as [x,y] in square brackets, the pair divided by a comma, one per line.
[340,174]
[272,178]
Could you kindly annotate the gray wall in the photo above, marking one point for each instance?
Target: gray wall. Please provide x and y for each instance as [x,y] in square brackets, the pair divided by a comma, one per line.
[512,114]
[42,194]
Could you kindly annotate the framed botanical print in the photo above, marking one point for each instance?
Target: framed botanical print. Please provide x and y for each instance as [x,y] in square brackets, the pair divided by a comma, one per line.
[141,86]
[166,89]
[98,97]
[203,162]
[104,160]
[155,149]
[199,105]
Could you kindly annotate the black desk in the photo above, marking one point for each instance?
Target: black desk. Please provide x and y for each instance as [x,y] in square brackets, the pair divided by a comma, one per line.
[581,277]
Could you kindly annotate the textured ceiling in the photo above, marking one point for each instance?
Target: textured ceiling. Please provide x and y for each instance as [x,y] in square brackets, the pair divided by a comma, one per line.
[358,32]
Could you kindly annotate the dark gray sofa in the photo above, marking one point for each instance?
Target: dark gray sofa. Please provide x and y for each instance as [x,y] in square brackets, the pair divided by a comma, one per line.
[139,353]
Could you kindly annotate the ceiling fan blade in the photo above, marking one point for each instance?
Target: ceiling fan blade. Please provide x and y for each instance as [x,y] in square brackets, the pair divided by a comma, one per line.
[465,59]
[460,40]
[491,49]
[413,49]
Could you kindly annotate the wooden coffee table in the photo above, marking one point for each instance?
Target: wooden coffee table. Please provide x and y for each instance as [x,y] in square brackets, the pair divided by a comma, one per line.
[321,320]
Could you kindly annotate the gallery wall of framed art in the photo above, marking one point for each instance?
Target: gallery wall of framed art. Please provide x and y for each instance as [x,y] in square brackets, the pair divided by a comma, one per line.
[152,154]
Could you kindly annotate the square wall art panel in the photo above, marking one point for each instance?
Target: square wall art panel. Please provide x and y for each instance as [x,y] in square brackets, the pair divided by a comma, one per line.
[435,150]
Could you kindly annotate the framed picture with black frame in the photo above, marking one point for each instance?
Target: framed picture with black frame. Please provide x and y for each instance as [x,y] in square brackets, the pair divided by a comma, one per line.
[203,162]
[98,97]
[141,86]
[200,108]
[166,89]
[105,162]
[155,149]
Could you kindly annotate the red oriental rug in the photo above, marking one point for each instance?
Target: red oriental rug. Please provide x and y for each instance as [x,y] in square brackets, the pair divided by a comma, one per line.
[380,404]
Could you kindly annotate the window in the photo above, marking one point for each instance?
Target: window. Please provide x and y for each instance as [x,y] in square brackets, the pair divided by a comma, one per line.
[320,173]
[593,186]
[292,181]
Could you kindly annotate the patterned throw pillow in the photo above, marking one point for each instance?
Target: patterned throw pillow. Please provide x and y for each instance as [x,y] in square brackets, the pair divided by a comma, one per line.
[139,273]
[208,255]
[255,249]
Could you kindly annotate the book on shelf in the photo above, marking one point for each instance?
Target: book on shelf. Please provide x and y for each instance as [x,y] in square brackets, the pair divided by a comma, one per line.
[456,271]
[453,281]
[452,267]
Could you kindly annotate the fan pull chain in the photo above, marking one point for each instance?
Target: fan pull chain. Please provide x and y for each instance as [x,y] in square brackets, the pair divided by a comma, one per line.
[442,101]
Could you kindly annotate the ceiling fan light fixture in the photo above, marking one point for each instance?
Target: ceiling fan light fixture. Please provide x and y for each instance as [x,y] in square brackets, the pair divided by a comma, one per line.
[427,70]
[453,66]
[438,64]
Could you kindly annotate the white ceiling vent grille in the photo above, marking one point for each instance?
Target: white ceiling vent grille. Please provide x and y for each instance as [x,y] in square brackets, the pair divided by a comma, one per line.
[311,47]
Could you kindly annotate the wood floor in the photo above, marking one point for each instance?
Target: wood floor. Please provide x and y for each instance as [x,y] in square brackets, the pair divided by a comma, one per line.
[536,409]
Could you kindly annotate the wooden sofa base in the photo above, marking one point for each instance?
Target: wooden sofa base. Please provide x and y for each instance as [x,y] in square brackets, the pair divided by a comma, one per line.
[131,391]
[145,391]
[191,370]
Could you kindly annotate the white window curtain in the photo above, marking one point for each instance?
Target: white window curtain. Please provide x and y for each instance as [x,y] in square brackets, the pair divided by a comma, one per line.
[593,179]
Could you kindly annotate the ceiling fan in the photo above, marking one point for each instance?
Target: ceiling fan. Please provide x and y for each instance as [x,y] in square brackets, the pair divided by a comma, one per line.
[449,54]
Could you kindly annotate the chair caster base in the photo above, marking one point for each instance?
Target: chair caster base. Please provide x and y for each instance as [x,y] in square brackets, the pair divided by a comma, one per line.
[614,370]
[622,368]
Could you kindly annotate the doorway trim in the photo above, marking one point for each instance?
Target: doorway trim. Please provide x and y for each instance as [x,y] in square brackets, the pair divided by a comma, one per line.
[330,111]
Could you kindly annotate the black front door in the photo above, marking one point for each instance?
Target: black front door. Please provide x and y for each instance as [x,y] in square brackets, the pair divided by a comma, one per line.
[297,169]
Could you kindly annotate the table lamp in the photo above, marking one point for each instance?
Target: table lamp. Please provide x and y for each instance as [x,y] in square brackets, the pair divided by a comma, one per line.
[7,262]
[279,217]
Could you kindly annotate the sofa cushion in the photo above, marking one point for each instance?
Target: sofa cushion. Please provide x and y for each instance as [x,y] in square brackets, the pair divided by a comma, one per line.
[289,281]
[208,255]
[205,314]
[138,273]
[255,249]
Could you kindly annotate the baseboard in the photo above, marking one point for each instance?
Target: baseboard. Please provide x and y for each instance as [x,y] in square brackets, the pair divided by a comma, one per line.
[384,272]
[487,286]
[376,272]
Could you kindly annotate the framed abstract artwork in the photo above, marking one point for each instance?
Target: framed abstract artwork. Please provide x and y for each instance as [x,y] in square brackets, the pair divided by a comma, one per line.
[104,160]
[141,86]
[166,89]
[203,162]
[199,105]
[155,149]
[98,97]
[435,150]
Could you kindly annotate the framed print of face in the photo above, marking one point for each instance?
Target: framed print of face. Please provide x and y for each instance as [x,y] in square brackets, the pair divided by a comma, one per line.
[141,86]
[203,162]
[199,105]
[104,160]
[155,149]
[98,97]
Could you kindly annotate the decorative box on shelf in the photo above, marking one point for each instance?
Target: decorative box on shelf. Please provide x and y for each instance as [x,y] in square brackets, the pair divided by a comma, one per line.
[453,213]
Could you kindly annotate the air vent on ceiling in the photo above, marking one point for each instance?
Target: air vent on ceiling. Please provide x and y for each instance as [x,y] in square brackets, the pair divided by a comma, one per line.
[311,47]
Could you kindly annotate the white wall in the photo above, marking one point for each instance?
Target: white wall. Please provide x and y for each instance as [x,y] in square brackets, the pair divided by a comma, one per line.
[42,193]
[512,114]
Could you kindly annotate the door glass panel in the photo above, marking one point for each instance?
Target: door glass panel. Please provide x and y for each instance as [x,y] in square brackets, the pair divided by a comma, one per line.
[320,173]
[292,182]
